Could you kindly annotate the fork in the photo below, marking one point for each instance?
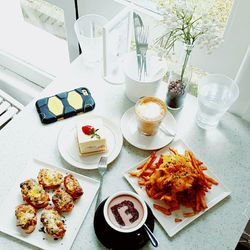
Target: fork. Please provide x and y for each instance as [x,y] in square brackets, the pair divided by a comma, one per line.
[102,169]
[137,25]
[143,47]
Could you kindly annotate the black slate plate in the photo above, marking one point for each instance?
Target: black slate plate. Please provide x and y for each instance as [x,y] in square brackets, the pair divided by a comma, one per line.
[116,240]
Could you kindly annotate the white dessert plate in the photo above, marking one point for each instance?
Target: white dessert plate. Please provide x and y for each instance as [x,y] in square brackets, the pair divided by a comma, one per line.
[68,146]
[73,220]
[213,196]
[134,137]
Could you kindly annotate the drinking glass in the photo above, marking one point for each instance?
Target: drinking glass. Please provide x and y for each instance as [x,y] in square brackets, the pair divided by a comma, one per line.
[216,94]
[149,111]
[89,31]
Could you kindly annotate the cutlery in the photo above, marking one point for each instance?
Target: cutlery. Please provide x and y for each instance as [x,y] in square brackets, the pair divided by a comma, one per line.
[143,47]
[167,131]
[102,169]
[138,24]
[151,236]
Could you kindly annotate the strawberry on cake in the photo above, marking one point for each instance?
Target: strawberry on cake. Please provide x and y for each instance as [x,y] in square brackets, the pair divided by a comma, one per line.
[91,137]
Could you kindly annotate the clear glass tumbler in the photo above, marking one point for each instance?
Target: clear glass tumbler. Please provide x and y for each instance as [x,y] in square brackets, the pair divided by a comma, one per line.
[216,94]
[89,30]
[149,111]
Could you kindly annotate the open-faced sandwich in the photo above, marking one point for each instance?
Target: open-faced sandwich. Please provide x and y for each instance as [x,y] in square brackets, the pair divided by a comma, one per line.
[49,178]
[34,194]
[72,186]
[63,202]
[52,222]
[26,217]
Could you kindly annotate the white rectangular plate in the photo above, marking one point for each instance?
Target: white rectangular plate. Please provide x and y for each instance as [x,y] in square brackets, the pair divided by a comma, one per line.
[73,220]
[213,196]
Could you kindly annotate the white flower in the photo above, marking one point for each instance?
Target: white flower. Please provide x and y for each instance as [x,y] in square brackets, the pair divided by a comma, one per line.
[182,23]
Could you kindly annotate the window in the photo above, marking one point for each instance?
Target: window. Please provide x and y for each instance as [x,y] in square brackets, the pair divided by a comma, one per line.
[45,16]
[38,36]
[219,9]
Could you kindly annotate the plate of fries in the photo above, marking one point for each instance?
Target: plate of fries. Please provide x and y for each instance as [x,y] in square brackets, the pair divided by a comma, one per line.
[176,185]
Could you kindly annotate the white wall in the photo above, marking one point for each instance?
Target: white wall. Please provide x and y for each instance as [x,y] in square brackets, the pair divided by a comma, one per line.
[225,60]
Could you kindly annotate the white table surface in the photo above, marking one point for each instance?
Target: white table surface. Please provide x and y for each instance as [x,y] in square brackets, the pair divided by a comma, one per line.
[225,150]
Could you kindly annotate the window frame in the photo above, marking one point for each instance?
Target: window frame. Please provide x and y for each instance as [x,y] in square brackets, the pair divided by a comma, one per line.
[70,9]
[33,73]
[140,8]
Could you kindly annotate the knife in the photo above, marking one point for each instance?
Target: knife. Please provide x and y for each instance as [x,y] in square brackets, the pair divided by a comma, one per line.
[138,24]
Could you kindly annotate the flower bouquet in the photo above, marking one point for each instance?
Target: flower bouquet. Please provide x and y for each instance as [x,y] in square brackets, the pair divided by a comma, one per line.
[185,23]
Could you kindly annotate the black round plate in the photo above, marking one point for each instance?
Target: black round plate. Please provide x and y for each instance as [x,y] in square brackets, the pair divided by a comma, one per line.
[116,240]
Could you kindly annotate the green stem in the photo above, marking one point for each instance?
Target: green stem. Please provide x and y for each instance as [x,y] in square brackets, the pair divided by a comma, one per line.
[171,45]
[188,52]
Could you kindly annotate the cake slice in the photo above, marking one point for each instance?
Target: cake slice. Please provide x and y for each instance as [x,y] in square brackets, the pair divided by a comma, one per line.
[91,137]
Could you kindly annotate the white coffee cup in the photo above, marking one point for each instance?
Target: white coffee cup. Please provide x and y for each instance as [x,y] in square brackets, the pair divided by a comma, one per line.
[117,204]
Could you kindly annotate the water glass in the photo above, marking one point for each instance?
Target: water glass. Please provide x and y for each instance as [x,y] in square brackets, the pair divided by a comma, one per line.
[89,30]
[216,94]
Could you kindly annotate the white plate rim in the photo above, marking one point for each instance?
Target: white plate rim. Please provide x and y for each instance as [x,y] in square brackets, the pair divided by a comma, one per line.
[145,147]
[117,149]
[186,221]
[95,183]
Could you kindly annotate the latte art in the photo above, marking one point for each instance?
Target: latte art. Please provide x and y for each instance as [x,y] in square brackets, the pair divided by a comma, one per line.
[125,211]
[130,210]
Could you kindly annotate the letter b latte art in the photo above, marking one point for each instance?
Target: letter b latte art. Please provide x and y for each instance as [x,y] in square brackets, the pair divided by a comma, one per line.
[125,212]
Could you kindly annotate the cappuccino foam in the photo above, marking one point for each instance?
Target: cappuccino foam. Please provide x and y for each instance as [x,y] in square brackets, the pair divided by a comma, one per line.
[150,110]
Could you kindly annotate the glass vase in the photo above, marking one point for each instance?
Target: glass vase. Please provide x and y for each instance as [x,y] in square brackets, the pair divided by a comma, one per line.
[179,79]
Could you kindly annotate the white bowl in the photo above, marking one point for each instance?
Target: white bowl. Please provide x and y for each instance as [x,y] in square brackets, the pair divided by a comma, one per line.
[136,88]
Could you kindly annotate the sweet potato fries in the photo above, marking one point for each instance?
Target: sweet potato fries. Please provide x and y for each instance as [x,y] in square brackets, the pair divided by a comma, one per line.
[176,180]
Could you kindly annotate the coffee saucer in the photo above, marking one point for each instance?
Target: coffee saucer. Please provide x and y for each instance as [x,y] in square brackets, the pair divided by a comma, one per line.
[159,140]
[117,240]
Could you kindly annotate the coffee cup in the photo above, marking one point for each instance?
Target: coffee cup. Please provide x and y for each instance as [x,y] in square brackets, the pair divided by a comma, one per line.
[125,212]
[150,111]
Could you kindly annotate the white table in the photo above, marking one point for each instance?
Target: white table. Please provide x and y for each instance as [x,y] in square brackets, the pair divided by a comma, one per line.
[225,150]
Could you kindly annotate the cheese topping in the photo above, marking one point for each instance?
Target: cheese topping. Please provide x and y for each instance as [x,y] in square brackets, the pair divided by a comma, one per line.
[52,222]
[24,214]
[50,177]
[72,183]
[23,217]
[34,191]
[62,199]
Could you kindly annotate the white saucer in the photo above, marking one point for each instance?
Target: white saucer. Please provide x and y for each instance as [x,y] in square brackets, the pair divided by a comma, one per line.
[134,137]
[68,147]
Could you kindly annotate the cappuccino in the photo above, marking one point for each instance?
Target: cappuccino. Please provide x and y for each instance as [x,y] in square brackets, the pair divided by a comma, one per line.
[150,111]
[125,212]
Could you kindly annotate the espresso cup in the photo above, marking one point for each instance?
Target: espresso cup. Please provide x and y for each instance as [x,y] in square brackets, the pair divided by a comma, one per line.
[150,111]
[125,212]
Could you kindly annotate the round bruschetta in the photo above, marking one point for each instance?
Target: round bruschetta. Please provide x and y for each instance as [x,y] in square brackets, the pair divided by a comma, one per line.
[34,194]
[26,217]
[63,202]
[72,186]
[52,222]
[49,178]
